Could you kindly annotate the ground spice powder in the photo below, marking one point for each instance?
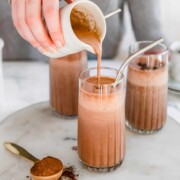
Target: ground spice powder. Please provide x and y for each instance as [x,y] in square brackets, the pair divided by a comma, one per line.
[46,167]
[69,173]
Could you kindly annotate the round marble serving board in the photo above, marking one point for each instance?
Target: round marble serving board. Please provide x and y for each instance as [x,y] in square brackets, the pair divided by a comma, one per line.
[42,133]
[173,85]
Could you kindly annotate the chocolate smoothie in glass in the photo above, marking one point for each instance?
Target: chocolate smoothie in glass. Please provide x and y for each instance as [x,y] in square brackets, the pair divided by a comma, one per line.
[101,120]
[146,95]
[64,75]
[101,112]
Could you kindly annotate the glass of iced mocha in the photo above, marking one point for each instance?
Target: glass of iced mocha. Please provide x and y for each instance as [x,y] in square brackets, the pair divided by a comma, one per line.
[64,75]
[101,120]
[146,95]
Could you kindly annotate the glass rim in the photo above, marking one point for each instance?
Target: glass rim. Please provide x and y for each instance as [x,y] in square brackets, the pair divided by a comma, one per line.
[103,67]
[165,51]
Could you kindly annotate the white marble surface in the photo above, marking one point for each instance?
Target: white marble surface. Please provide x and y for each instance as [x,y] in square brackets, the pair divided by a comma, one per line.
[26,83]
[148,157]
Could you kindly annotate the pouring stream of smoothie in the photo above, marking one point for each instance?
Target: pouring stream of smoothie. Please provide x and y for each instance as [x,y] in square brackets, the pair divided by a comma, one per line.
[86,29]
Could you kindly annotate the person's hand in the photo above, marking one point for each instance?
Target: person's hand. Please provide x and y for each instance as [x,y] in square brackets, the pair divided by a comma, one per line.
[28,20]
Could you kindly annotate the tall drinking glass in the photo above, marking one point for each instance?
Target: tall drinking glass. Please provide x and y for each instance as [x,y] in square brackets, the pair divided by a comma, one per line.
[146,96]
[64,75]
[101,120]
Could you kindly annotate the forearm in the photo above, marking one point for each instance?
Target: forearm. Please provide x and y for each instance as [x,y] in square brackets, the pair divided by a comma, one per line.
[145,17]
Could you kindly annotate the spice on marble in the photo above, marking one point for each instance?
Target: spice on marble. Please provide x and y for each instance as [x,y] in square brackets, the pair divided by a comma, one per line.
[69,173]
[69,139]
[74,148]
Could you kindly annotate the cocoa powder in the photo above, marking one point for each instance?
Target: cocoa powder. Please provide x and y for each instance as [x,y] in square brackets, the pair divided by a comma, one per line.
[69,173]
[46,167]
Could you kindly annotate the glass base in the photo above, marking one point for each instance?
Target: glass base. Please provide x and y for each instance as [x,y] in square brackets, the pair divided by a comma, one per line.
[55,113]
[141,131]
[101,169]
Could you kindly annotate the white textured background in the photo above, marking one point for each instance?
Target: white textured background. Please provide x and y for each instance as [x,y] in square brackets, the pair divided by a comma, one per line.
[170,16]
[170,10]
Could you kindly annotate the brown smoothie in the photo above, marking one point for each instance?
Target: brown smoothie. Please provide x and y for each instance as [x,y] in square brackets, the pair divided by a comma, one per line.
[64,75]
[86,29]
[101,141]
[146,98]
[101,108]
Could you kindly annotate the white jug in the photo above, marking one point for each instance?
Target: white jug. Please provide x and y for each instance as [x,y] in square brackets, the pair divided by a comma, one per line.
[72,43]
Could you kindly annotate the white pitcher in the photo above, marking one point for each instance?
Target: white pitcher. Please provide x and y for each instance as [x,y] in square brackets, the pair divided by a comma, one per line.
[72,43]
